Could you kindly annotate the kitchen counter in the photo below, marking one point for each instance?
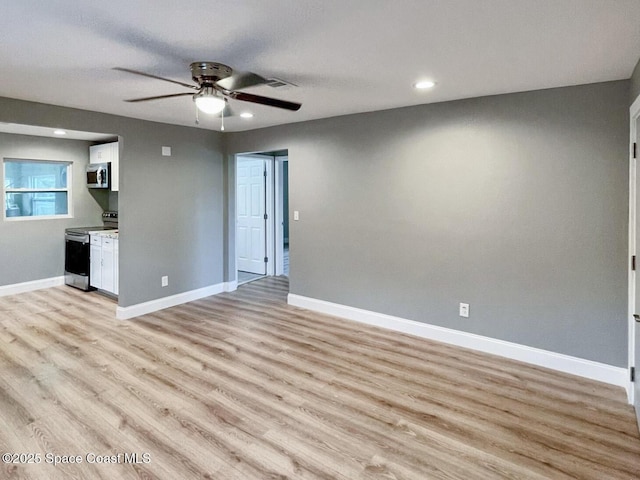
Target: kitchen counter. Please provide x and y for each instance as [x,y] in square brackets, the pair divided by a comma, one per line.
[110,234]
[105,234]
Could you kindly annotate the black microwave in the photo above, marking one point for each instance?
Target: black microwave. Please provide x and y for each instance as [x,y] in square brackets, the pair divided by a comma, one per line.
[99,175]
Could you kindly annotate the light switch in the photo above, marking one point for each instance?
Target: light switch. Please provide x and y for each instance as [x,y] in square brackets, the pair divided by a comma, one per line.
[296,215]
[166,151]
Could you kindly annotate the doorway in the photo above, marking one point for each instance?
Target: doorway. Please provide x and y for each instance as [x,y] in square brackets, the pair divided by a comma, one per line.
[262,220]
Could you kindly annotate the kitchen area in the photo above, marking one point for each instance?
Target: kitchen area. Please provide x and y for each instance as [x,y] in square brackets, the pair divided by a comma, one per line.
[60,209]
[92,253]
[170,206]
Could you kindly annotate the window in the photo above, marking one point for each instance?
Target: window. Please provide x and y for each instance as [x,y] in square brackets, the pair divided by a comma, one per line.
[36,188]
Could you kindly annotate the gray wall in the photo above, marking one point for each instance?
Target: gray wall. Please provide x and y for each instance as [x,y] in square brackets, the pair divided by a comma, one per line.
[635,83]
[170,208]
[516,204]
[34,249]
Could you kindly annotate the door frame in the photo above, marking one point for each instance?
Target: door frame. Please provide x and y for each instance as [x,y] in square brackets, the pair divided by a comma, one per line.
[634,121]
[273,192]
[270,210]
[279,214]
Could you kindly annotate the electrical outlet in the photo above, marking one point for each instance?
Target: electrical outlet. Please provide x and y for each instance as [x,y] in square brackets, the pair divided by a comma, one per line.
[165,281]
[464,310]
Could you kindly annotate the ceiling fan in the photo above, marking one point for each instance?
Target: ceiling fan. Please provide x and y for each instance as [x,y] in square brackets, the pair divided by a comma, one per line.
[216,83]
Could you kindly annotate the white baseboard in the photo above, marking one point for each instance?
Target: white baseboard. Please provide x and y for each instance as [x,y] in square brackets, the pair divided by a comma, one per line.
[31,286]
[535,356]
[231,286]
[125,313]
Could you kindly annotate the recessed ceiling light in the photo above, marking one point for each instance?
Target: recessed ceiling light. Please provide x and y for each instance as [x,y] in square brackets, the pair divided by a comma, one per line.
[246,115]
[59,132]
[422,84]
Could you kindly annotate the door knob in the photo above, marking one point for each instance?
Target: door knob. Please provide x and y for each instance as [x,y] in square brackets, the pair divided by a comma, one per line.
[637,317]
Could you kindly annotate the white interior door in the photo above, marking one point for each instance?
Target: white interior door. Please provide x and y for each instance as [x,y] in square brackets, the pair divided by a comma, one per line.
[251,236]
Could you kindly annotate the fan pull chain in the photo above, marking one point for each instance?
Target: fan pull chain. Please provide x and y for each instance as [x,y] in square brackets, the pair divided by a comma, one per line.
[197,117]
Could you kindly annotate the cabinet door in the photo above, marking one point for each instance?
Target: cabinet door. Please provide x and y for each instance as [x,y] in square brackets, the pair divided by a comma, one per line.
[98,154]
[95,265]
[107,265]
[114,158]
[116,269]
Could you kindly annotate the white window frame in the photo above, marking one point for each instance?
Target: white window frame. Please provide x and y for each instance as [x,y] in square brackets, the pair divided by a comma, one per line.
[68,190]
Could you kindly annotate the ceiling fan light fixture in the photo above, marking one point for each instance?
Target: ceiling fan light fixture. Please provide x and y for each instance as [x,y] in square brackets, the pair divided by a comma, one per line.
[246,115]
[208,101]
[216,84]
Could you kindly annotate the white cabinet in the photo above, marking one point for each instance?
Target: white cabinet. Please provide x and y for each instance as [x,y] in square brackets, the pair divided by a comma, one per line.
[116,271]
[104,263]
[115,166]
[95,265]
[100,153]
[108,270]
[107,152]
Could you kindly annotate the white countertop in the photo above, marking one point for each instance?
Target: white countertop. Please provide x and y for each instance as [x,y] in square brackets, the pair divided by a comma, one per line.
[105,234]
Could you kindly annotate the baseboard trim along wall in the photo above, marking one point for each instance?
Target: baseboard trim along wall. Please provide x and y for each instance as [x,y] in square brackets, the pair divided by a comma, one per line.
[125,313]
[231,286]
[535,356]
[24,287]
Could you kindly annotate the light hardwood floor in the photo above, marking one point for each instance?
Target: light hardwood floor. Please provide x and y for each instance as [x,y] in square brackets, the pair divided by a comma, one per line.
[246,277]
[243,386]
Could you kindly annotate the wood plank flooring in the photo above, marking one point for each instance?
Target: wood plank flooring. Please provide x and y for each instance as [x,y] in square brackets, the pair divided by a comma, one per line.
[243,386]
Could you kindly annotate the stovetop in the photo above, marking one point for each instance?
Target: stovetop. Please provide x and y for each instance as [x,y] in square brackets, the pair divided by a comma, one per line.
[89,229]
[110,219]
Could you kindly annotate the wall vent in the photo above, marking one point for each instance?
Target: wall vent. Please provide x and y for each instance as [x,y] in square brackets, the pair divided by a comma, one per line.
[278,83]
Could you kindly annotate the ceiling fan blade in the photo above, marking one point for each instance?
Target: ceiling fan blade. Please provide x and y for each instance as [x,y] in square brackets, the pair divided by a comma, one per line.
[272,102]
[240,80]
[158,97]
[136,72]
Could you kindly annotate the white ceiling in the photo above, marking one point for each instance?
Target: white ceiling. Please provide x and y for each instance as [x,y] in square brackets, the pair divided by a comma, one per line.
[346,56]
[19,129]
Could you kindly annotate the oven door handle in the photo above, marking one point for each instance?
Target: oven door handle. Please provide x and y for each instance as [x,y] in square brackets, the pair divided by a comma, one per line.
[76,237]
